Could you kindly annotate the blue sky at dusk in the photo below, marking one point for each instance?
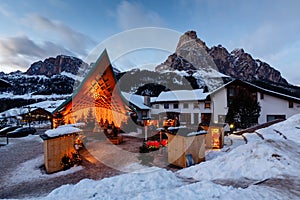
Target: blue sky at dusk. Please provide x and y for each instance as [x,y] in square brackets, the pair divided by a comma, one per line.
[33,30]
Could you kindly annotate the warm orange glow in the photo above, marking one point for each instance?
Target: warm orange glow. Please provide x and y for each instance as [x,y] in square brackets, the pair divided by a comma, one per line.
[98,95]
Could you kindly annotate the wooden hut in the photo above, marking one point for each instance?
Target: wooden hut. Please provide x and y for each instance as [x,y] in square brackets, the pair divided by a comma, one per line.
[59,143]
[215,136]
[186,148]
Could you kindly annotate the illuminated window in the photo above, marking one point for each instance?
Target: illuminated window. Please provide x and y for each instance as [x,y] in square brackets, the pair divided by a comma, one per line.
[207,105]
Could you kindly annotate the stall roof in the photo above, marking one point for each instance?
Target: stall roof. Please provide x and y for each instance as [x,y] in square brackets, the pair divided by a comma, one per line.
[60,131]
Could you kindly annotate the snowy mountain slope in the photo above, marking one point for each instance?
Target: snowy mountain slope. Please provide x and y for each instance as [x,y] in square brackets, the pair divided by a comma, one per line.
[47,105]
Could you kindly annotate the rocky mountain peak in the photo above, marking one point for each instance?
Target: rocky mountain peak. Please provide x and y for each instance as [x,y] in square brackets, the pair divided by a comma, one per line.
[190,36]
[52,66]
[240,64]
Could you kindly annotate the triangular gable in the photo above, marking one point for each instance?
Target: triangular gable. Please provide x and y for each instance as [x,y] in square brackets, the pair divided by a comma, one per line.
[98,91]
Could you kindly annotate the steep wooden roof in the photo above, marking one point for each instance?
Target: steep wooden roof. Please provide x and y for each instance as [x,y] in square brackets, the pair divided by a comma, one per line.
[98,89]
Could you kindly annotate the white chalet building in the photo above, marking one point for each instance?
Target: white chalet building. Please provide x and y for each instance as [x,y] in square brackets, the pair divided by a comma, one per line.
[192,107]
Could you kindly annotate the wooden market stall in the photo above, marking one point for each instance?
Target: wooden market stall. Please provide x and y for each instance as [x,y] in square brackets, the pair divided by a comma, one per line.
[215,136]
[59,146]
[186,148]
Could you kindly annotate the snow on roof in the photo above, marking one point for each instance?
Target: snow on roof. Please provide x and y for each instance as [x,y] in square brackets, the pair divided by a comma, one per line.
[182,95]
[137,100]
[62,130]
[46,105]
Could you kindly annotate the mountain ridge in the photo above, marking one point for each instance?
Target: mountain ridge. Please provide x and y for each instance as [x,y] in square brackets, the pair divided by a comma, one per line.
[192,65]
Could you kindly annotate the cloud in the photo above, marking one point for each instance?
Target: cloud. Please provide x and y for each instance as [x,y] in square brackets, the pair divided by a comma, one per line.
[134,15]
[5,11]
[20,51]
[73,40]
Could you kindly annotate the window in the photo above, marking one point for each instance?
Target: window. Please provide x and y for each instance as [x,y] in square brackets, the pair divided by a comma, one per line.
[196,105]
[185,117]
[175,106]
[207,105]
[156,106]
[185,105]
[221,118]
[231,91]
[291,104]
[166,106]
[144,113]
[262,95]
[274,117]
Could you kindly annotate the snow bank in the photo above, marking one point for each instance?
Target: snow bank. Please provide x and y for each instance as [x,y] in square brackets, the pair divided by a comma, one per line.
[126,186]
[30,171]
[290,128]
[273,157]
[259,160]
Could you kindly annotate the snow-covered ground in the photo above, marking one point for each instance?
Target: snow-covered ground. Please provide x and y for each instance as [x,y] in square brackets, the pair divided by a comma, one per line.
[266,167]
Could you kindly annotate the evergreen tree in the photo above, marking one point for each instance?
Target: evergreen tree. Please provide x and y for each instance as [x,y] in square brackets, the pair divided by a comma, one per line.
[243,111]
[90,121]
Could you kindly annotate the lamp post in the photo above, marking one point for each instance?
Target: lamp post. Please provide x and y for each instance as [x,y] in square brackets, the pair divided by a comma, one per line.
[29,113]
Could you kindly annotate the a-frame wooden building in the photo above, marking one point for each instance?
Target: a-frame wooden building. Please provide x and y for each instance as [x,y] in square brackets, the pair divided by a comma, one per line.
[98,96]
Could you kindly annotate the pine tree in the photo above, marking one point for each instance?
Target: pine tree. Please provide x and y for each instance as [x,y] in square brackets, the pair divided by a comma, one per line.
[243,111]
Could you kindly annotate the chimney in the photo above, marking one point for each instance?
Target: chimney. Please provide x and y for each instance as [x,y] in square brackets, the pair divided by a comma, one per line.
[147,100]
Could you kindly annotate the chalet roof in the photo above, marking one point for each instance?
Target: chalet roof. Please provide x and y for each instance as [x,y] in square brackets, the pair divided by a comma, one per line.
[136,100]
[259,89]
[182,95]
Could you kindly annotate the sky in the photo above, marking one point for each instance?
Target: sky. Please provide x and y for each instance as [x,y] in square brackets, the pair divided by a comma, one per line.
[33,30]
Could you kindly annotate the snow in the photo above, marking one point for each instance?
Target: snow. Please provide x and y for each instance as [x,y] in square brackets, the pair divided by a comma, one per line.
[196,133]
[182,95]
[137,100]
[62,130]
[259,158]
[272,158]
[30,171]
[130,186]
[47,105]
[10,95]
[70,75]
[175,127]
